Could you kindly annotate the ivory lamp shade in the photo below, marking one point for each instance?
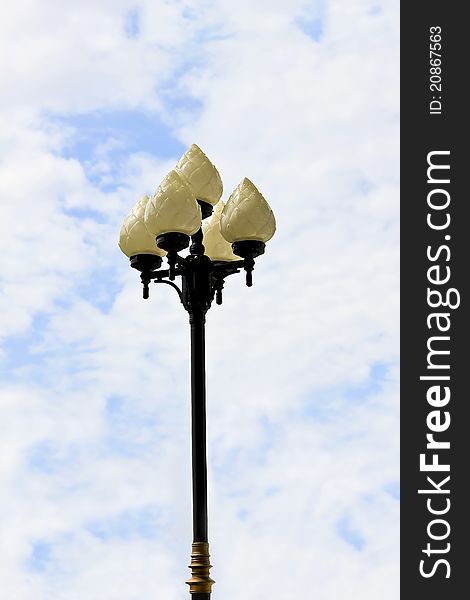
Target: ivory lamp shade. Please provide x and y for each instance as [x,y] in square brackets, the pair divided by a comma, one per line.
[216,247]
[201,175]
[134,237]
[247,215]
[172,208]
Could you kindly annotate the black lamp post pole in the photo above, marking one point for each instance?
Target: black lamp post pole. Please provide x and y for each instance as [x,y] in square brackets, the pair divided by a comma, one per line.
[200,563]
[202,280]
[197,294]
[198,425]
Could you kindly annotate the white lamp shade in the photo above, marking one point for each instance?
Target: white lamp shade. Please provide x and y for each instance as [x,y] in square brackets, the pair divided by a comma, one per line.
[134,237]
[201,175]
[216,247]
[247,215]
[172,208]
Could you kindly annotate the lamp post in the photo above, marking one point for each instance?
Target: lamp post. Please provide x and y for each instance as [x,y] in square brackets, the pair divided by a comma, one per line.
[164,225]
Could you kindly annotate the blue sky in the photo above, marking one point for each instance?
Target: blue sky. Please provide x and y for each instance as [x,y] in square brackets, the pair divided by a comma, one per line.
[112,136]
[302,369]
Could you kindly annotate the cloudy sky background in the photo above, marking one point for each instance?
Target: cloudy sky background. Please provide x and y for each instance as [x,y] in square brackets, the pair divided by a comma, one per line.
[98,101]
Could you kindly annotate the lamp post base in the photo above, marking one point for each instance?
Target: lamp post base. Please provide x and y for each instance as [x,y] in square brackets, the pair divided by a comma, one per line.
[200,584]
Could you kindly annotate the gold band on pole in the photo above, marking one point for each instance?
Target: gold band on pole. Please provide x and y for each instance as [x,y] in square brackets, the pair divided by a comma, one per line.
[200,581]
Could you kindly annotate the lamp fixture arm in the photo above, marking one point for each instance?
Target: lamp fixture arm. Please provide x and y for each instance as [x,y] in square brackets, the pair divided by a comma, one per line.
[173,285]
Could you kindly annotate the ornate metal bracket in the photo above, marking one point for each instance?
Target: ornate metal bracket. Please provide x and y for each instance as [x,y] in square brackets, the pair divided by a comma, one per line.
[201,278]
[173,285]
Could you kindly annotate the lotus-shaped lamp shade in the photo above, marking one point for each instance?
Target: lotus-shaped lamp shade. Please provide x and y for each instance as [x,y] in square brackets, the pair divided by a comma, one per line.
[216,247]
[201,175]
[134,237]
[172,208]
[247,215]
